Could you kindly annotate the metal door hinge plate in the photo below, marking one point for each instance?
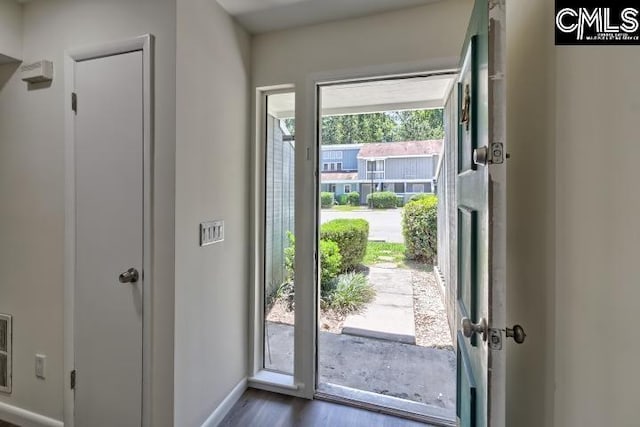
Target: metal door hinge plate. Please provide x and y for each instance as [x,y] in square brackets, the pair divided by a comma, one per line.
[497,153]
[495,336]
[73,379]
[74,102]
[495,339]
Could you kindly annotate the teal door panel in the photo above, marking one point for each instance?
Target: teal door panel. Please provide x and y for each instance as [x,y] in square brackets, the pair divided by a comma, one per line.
[472,194]
[466,388]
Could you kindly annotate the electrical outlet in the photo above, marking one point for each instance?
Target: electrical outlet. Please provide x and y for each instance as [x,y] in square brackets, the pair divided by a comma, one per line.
[211,232]
[41,363]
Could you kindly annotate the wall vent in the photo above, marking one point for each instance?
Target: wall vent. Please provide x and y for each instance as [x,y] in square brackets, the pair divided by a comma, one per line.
[5,353]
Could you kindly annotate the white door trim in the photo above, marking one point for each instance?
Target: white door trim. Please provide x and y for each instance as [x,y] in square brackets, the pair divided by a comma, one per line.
[144,43]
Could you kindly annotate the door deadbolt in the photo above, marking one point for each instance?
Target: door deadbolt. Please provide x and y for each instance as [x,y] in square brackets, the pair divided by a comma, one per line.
[129,276]
[469,328]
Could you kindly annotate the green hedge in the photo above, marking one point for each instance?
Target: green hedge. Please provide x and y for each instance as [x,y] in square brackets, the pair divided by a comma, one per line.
[420,228]
[326,199]
[420,196]
[352,199]
[351,236]
[382,200]
[330,263]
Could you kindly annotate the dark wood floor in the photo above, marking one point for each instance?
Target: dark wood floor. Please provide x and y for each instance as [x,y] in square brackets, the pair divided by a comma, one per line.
[258,408]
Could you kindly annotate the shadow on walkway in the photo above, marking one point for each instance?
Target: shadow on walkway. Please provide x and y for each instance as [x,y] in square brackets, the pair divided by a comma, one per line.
[420,374]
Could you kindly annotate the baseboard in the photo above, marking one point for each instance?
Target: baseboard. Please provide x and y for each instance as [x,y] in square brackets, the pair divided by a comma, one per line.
[24,418]
[223,409]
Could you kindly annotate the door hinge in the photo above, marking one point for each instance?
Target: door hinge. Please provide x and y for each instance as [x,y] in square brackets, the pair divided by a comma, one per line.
[74,102]
[73,379]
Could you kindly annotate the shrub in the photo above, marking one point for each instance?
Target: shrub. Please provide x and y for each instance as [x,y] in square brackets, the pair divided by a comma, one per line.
[351,293]
[351,236]
[420,196]
[420,228]
[289,257]
[286,293]
[326,199]
[382,200]
[330,262]
[352,199]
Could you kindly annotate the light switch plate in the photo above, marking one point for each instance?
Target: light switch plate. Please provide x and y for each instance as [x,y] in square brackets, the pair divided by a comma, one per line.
[41,366]
[211,232]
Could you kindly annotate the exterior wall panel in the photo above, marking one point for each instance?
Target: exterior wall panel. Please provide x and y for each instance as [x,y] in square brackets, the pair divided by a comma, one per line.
[279,213]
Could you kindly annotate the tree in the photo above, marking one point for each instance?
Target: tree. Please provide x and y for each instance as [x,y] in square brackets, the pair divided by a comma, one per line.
[419,124]
[413,125]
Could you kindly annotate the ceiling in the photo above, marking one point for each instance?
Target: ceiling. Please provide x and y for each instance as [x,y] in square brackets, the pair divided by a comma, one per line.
[370,97]
[260,16]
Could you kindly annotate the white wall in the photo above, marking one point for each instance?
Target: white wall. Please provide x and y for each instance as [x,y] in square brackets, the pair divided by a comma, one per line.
[32,192]
[10,30]
[432,33]
[212,171]
[530,210]
[598,236]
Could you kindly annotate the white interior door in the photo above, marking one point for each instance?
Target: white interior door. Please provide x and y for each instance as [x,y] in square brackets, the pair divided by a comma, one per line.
[109,172]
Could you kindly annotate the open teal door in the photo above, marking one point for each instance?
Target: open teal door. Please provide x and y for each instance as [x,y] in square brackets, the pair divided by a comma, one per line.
[481,218]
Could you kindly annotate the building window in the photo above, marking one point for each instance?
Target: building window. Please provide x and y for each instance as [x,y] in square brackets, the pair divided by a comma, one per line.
[416,188]
[339,166]
[428,188]
[375,169]
[332,166]
[332,188]
[332,155]
[325,166]
[347,188]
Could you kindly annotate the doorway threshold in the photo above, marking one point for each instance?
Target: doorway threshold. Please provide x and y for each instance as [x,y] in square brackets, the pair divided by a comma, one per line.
[390,405]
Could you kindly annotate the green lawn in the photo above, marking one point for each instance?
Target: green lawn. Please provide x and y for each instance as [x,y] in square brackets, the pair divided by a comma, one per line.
[378,252]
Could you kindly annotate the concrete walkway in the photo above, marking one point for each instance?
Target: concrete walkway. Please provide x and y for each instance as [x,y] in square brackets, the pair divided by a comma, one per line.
[390,315]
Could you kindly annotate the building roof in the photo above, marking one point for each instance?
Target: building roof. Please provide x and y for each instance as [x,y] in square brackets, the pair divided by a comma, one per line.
[400,149]
[338,176]
[340,146]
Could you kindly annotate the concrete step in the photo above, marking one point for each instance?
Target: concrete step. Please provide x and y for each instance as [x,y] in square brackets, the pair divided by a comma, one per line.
[390,315]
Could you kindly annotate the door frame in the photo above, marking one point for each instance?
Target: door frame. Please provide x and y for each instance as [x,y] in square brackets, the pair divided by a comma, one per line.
[318,81]
[144,43]
[259,377]
[303,381]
